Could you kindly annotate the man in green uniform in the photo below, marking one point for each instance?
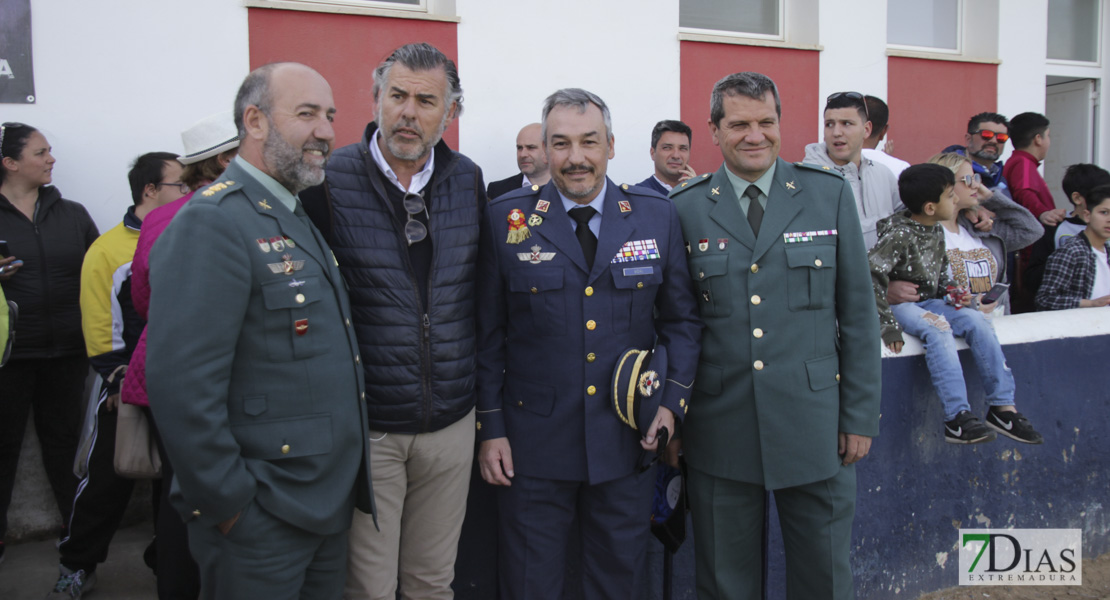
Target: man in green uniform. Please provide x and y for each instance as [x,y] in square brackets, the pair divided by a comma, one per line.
[786,397]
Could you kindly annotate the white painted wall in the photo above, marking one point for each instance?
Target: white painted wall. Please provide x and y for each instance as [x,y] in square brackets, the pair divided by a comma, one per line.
[116,79]
[512,56]
[854,57]
[1021,76]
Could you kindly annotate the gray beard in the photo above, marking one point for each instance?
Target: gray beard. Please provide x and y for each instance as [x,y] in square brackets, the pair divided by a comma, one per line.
[288,164]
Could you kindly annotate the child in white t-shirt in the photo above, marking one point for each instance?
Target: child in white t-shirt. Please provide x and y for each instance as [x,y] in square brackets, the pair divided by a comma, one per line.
[1078,273]
[1078,181]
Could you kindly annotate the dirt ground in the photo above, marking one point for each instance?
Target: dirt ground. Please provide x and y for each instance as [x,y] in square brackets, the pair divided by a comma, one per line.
[1096,585]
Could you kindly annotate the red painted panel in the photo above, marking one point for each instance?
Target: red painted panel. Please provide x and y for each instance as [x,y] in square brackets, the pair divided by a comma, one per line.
[345,49]
[931,100]
[795,72]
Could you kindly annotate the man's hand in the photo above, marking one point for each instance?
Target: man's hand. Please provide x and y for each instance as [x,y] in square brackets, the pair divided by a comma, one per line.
[672,452]
[495,459]
[663,418]
[1053,217]
[8,267]
[852,447]
[687,172]
[901,291]
[225,526]
[1094,302]
[112,402]
[895,347]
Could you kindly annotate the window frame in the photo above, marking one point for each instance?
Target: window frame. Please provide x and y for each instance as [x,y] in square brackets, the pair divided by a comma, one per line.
[958,51]
[728,33]
[1097,62]
[422,7]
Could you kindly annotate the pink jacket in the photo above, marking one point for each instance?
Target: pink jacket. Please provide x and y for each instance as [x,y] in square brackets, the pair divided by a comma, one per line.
[133,390]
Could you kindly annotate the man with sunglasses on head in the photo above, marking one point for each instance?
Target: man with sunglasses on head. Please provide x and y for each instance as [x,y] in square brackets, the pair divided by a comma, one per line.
[847,125]
[401,211]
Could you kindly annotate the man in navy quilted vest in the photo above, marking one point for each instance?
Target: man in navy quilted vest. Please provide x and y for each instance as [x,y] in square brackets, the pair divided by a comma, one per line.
[401,211]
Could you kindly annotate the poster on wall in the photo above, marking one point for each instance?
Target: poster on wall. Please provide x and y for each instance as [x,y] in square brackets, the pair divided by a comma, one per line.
[17,77]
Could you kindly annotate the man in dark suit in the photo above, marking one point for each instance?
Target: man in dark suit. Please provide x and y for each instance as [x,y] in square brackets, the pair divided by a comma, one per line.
[787,393]
[569,277]
[253,368]
[670,151]
[531,160]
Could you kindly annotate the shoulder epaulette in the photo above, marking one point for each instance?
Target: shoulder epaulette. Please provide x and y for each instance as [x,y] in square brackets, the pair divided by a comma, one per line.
[690,183]
[635,190]
[524,192]
[819,168]
[218,188]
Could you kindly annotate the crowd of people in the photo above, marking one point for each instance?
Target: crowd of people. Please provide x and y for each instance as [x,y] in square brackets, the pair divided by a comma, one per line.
[326,341]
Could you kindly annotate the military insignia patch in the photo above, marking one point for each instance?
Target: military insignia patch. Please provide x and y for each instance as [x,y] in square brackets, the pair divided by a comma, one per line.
[535,220]
[300,326]
[518,229]
[637,250]
[805,236]
[535,256]
[263,244]
[264,204]
[542,206]
[288,266]
[649,382]
[722,243]
[288,242]
[789,185]
[715,191]
[625,205]
[277,243]
[703,245]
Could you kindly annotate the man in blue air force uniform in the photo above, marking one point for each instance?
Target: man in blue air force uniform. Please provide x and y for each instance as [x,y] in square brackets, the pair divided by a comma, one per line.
[253,367]
[569,277]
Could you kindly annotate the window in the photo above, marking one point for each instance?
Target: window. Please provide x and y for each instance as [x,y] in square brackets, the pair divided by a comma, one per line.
[388,4]
[1073,30]
[757,18]
[932,24]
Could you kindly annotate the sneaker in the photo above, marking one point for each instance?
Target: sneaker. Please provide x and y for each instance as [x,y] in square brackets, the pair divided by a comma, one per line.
[1013,425]
[967,429]
[72,584]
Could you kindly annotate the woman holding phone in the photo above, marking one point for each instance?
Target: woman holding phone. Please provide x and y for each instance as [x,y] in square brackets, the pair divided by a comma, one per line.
[46,237]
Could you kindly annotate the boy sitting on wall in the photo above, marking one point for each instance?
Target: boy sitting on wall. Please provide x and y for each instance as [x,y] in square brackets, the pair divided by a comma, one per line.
[911,248]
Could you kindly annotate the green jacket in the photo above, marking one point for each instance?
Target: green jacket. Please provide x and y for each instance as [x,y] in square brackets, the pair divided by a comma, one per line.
[907,251]
[7,326]
[790,349]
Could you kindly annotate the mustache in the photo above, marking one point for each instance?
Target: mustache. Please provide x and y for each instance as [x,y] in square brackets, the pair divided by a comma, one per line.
[321,146]
[408,124]
[576,169]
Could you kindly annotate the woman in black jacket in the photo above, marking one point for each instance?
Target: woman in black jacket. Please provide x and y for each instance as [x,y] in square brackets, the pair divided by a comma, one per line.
[47,238]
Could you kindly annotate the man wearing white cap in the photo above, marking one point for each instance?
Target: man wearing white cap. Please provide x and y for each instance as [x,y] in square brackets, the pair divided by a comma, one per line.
[210,144]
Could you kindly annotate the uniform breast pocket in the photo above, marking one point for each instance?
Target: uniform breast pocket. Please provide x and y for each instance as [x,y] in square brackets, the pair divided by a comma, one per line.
[710,273]
[540,293]
[633,297]
[811,279]
[291,305]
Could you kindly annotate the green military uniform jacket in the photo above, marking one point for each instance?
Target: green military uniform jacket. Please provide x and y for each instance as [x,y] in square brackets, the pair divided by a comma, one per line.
[790,350]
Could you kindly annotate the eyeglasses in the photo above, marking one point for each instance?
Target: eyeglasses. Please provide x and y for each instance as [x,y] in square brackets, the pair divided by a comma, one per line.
[973,180]
[181,187]
[415,231]
[856,96]
[987,134]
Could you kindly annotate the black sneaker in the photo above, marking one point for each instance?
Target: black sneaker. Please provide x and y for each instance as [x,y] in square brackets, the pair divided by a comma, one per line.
[967,429]
[1013,425]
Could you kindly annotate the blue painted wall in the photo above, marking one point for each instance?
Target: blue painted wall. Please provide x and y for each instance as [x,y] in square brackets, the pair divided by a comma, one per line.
[916,491]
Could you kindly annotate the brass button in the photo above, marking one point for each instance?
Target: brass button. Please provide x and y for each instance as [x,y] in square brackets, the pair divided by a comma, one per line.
[838,376]
[535,291]
[299,298]
[285,449]
[682,402]
[520,403]
[817,262]
[591,390]
[758,365]
[701,275]
[589,290]
[757,332]
[478,425]
[591,325]
[196,513]
[639,285]
[755,268]
[756,299]
[591,357]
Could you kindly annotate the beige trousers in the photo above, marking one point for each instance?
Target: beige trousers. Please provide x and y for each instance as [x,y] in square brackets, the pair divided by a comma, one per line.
[420,485]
